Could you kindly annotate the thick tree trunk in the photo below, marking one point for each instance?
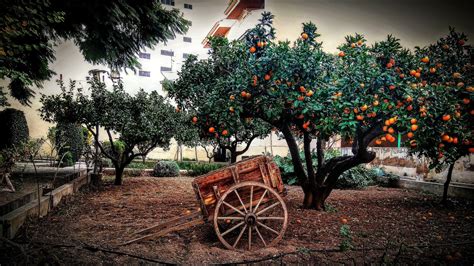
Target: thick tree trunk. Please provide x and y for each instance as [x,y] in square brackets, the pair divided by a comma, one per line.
[233,155]
[118,175]
[446,184]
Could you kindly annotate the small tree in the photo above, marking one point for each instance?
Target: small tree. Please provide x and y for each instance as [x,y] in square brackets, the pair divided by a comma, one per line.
[446,115]
[215,113]
[146,119]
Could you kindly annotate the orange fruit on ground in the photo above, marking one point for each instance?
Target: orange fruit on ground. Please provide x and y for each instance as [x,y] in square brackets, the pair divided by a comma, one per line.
[414,127]
[425,59]
[212,130]
[410,135]
[252,49]
[344,221]
[446,117]
[413,121]
[195,119]
[360,117]
[342,54]
[304,35]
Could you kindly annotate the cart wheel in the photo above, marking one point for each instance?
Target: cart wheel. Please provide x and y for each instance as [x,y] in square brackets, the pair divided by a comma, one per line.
[250,215]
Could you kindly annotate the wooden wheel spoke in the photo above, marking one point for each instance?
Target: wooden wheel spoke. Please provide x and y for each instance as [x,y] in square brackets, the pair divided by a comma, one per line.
[234,208]
[240,236]
[233,228]
[250,237]
[268,208]
[268,228]
[230,218]
[241,202]
[260,235]
[260,201]
[251,198]
[270,218]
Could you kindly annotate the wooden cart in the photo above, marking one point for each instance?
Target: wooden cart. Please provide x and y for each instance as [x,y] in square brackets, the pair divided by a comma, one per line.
[243,202]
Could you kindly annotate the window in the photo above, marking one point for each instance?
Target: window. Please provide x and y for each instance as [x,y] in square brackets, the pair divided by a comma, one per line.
[188,6]
[144,55]
[165,68]
[144,73]
[168,2]
[167,52]
[187,39]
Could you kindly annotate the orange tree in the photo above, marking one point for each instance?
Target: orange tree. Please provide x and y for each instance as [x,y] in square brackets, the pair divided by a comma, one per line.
[446,115]
[364,94]
[212,112]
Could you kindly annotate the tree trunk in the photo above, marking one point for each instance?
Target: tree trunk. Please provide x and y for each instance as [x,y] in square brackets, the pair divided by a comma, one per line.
[233,155]
[446,184]
[118,175]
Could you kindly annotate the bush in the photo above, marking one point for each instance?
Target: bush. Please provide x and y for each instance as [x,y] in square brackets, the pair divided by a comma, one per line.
[69,139]
[166,168]
[196,169]
[384,179]
[356,178]
[15,128]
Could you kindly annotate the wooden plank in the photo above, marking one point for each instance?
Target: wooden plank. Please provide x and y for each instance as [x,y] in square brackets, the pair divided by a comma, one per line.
[166,231]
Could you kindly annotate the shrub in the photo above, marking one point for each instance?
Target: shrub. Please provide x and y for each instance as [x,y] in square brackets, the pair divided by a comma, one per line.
[196,169]
[69,138]
[356,178]
[15,128]
[166,168]
[384,179]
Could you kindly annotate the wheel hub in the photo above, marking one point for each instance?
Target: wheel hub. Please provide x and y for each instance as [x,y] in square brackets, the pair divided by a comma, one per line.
[250,219]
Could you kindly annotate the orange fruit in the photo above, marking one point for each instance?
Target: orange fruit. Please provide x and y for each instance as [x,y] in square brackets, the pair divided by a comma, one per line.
[212,130]
[446,117]
[359,42]
[383,138]
[260,44]
[455,140]
[353,45]
[344,221]
[387,122]
[409,107]
[425,59]
[410,135]
[417,75]
[413,143]
[304,35]
[414,127]
[363,107]
[300,98]
[378,142]
[445,137]
[466,101]
[391,130]
[392,121]
[456,75]
[470,89]
[232,97]
[302,89]
[231,109]
[402,76]
[432,70]
[356,110]
[412,72]
[413,121]
[225,132]
[376,103]
[389,65]
[471,150]
[342,54]
[391,87]
[309,93]
[266,77]
[252,49]
[195,119]
[360,117]
[248,96]
[243,94]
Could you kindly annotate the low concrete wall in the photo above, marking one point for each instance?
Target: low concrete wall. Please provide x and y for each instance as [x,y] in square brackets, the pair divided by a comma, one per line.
[12,221]
[460,190]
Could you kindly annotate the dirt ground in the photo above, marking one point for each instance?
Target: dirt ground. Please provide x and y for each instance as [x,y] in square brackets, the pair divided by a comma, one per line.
[387,225]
